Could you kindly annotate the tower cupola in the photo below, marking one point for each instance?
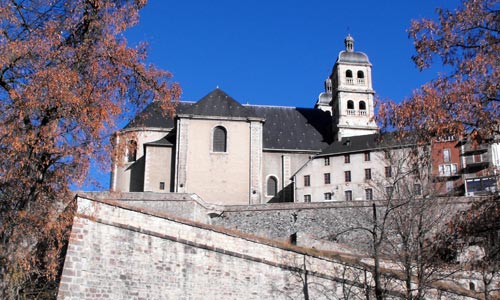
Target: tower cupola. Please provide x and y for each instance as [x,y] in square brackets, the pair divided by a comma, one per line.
[349,43]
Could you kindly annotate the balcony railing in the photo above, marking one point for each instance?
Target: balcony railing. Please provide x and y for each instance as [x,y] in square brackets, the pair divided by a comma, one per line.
[362,112]
[351,112]
[469,149]
[351,81]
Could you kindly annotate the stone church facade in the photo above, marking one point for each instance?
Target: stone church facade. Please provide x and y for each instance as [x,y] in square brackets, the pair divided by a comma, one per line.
[229,153]
[234,154]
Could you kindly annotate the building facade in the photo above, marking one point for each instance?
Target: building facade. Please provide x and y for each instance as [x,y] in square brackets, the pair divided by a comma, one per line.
[229,153]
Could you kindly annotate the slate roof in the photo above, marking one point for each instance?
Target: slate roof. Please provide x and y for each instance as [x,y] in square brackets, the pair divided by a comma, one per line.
[218,104]
[153,117]
[166,141]
[294,128]
[367,142]
[285,128]
[352,144]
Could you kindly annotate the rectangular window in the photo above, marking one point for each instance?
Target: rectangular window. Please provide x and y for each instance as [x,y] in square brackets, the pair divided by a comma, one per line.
[368,174]
[348,195]
[388,172]
[328,196]
[327,161]
[417,188]
[446,155]
[307,198]
[447,169]
[307,180]
[327,178]
[388,191]
[162,185]
[347,175]
[347,158]
[367,156]
[387,154]
[369,194]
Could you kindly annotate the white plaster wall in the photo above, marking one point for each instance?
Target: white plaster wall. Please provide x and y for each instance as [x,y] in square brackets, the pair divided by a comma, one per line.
[316,169]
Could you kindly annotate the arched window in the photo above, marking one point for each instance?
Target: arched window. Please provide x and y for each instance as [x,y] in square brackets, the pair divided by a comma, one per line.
[361,74]
[220,139]
[362,105]
[131,151]
[348,74]
[272,186]
[350,104]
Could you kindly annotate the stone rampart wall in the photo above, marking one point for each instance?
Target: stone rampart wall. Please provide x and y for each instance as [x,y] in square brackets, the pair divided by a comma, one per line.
[118,251]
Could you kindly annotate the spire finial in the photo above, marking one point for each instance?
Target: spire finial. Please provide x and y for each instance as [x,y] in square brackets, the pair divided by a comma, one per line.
[349,43]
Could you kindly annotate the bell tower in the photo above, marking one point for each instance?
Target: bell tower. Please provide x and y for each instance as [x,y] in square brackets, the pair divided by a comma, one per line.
[352,93]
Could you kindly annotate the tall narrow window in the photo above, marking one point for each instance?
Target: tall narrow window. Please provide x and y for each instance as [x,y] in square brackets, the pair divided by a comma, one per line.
[367,156]
[348,195]
[369,194]
[362,105]
[220,139]
[388,172]
[361,74]
[307,180]
[368,174]
[348,74]
[272,186]
[347,158]
[446,155]
[327,178]
[327,161]
[328,196]
[131,151]
[347,175]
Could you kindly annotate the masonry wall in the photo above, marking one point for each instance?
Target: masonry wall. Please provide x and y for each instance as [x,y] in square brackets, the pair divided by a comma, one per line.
[118,253]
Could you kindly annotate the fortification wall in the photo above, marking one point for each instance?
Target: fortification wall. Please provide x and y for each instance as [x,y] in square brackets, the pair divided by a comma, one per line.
[118,251]
[322,225]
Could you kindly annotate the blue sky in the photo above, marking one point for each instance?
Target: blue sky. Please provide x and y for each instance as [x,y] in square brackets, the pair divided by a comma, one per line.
[279,52]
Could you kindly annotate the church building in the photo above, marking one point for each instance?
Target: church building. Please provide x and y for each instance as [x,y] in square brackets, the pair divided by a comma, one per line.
[229,153]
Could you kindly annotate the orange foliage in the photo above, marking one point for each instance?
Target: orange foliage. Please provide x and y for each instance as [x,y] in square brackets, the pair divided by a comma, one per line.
[466,99]
[66,74]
